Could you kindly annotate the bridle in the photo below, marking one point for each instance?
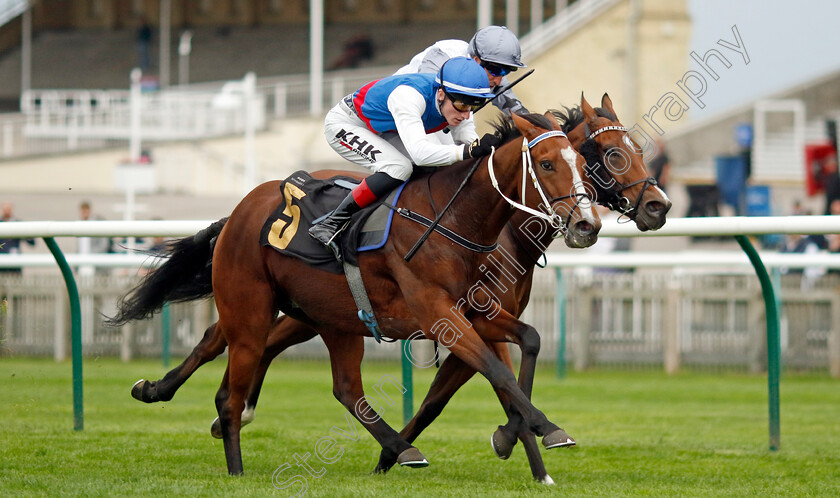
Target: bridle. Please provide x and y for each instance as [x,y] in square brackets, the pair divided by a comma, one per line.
[614,198]
[554,219]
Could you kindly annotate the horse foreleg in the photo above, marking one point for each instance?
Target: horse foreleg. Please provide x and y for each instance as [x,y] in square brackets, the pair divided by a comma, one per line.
[453,374]
[528,340]
[503,443]
[285,333]
[346,352]
[210,346]
[469,345]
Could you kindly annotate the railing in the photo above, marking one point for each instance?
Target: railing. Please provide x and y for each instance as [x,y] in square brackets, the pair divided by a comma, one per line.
[107,114]
[564,23]
[60,121]
[620,311]
[738,227]
[9,9]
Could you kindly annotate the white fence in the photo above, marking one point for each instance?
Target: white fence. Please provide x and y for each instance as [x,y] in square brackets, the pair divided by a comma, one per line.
[711,317]
[59,121]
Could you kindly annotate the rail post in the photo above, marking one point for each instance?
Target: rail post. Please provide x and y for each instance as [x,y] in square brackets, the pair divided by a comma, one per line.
[75,332]
[408,383]
[165,333]
[560,301]
[773,339]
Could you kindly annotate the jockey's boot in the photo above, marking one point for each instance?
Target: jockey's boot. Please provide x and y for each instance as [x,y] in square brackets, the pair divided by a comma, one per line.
[327,230]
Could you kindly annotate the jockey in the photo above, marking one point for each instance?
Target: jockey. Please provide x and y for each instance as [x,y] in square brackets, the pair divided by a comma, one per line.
[385,127]
[496,48]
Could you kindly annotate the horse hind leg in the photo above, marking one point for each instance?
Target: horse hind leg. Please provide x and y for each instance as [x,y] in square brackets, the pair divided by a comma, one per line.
[211,345]
[230,401]
[286,333]
[453,374]
[346,352]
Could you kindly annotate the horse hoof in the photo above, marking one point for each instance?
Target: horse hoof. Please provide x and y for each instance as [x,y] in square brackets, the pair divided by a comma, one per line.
[141,391]
[412,458]
[502,443]
[216,429]
[216,426]
[557,439]
[547,480]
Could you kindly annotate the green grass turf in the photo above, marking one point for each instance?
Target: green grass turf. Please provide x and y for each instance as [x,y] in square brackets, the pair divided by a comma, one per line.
[638,433]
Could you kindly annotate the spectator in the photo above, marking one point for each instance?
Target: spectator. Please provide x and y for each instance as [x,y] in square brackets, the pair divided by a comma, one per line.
[802,244]
[10,246]
[833,239]
[144,42]
[660,165]
[357,49]
[92,245]
[831,181]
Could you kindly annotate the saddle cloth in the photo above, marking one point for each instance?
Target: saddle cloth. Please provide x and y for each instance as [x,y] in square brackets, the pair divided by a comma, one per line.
[305,200]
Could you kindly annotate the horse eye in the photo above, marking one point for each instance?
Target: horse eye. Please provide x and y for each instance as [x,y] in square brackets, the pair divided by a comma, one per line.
[546,165]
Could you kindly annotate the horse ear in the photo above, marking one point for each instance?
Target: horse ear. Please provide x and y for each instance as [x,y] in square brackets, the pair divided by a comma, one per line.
[606,103]
[588,111]
[553,120]
[525,127]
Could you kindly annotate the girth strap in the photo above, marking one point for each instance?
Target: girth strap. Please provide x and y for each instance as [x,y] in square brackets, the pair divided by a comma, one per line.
[357,288]
[449,234]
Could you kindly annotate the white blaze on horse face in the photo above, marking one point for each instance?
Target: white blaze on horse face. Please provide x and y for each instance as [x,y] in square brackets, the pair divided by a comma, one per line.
[662,193]
[570,156]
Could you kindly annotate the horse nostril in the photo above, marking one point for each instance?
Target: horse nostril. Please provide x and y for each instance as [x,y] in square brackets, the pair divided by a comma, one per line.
[657,208]
[584,228]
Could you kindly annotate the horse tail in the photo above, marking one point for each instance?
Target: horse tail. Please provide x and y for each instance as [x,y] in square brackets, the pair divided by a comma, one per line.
[185,275]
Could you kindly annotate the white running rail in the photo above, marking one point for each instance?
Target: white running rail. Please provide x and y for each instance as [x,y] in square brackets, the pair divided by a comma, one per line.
[9,9]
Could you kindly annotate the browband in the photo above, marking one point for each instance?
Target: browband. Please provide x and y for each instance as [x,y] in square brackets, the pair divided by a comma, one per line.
[548,134]
[607,128]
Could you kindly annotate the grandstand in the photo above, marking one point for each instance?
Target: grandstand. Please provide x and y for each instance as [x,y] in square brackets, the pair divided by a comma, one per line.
[641,50]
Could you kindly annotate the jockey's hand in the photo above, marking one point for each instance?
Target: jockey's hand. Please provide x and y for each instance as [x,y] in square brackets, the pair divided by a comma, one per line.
[481,147]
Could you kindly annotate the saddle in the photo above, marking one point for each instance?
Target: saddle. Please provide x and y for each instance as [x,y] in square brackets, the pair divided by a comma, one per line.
[305,201]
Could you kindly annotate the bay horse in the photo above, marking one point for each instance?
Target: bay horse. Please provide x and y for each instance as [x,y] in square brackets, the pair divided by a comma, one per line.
[252,283]
[617,186]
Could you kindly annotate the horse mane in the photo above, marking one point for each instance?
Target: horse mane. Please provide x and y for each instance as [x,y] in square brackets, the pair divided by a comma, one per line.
[506,130]
[573,117]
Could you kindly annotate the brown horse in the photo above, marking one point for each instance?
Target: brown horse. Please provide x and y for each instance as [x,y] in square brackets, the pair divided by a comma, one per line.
[251,284]
[518,238]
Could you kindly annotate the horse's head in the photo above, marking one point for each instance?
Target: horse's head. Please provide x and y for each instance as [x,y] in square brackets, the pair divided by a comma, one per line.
[555,171]
[615,167]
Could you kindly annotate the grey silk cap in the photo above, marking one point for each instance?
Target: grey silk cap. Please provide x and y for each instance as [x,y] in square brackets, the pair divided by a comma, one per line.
[497,44]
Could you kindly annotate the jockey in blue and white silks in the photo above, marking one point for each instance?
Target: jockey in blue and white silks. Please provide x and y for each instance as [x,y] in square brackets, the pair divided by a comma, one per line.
[385,127]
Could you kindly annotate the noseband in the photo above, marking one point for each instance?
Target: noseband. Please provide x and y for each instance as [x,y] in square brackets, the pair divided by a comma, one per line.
[614,200]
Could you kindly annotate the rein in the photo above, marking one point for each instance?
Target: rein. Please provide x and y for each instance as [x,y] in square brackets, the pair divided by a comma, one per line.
[616,201]
[434,224]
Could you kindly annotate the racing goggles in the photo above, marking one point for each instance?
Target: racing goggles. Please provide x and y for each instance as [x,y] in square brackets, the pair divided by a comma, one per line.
[497,69]
[465,103]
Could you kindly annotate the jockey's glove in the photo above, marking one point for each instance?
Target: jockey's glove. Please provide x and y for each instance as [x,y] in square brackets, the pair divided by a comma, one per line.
[481,147]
